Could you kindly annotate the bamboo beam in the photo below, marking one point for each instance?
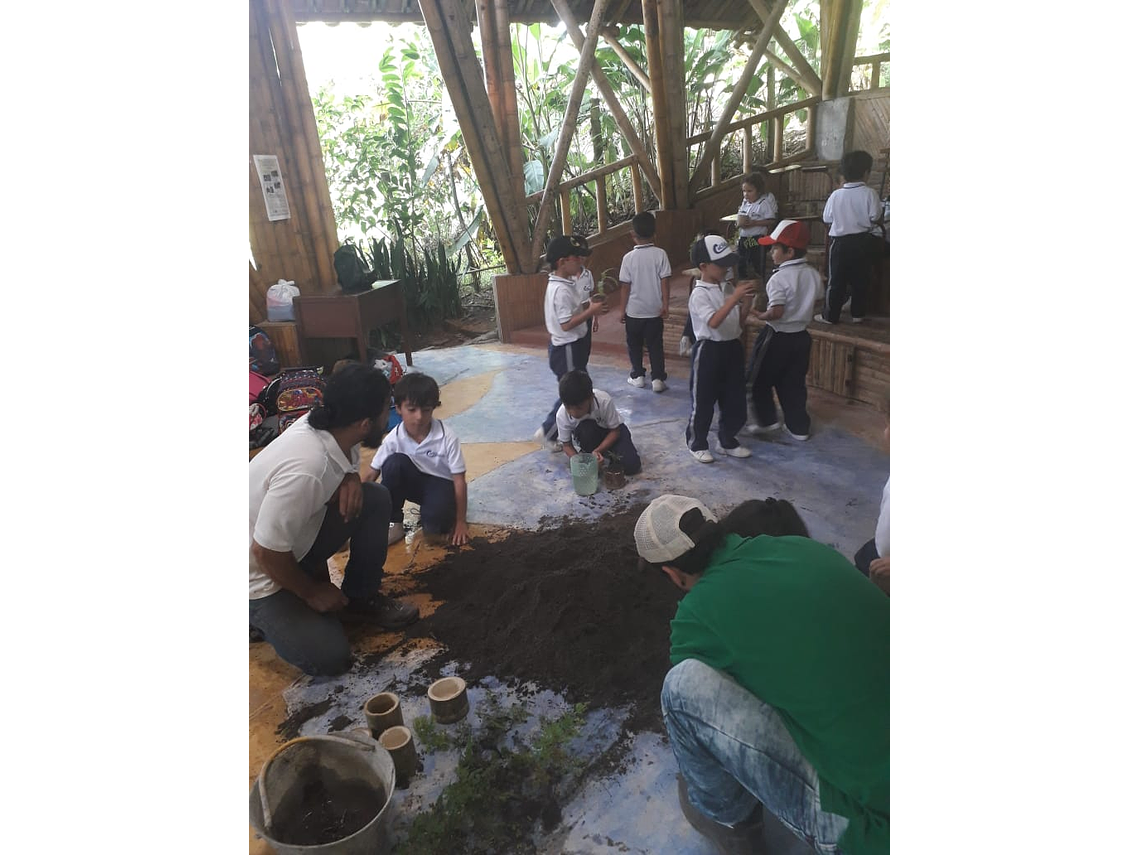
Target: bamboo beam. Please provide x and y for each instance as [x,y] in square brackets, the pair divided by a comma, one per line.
[450,30]
[567,219]
[654,58]
[638,193]
[670,15]
[839,32]
[602,83]
[569,126]
[586,177]
[771,23]
[808,78]
[512,136]
[628,61]
[850,42]
[308,213]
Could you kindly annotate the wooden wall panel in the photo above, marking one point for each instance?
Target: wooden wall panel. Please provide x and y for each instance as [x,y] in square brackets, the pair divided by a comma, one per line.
[518,302]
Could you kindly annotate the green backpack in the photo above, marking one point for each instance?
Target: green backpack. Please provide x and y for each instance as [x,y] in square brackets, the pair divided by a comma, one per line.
[352,269]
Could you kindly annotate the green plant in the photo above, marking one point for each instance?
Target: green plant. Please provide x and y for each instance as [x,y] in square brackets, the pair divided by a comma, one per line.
[428,735]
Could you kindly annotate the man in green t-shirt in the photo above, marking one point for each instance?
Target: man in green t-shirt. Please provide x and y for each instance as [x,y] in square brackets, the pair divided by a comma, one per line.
[780,691]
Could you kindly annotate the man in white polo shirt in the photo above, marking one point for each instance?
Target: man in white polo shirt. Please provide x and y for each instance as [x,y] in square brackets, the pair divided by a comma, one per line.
[305,501]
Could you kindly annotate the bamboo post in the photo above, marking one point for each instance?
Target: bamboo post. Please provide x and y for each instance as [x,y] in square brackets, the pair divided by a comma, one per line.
[449,26]
[809,128]
[714,169]
[569,125]
[746,159]
[628,61]
[876,65]
[638,194]
[308,213]
[673,53]
[512,136]
[486,20]
[567,218]
[769,137]
[854,10]
[603,208]
[660,105]
[778,142]
[807,76]
[771,23]
[562,7]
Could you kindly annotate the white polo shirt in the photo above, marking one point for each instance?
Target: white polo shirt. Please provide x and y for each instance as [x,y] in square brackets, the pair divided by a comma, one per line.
[585,282]
[763,208]
[563,301]
[643,268]
[852,209]
[602,410]
[704,302]
[794,285]
[290,481]
[883,528]
[439,454]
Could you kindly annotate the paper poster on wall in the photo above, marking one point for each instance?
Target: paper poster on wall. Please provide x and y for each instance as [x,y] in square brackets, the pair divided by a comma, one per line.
[272,187]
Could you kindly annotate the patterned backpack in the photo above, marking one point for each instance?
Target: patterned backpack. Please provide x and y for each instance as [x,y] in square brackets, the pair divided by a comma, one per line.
[298,391]
[262,354]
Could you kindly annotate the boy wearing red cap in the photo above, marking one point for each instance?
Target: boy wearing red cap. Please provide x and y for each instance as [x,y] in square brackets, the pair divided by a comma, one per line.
[783,348]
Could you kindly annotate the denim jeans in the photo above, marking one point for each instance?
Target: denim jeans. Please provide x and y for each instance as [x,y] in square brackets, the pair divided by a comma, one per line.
[734,750]
[313,641]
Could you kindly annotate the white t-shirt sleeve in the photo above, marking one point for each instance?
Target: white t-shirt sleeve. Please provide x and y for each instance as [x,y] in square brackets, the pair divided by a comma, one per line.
[292,499]
[777,292]
[608,417]
[562,419]
[624,275]
[767,208]
[883,529]
[454,452]
[701,304]
[874,206]
[387,449]
[828,209]
[566,303]
[666,270]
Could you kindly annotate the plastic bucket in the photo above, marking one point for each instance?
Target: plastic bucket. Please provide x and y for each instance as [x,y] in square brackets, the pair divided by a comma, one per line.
[345,769]
[584,471]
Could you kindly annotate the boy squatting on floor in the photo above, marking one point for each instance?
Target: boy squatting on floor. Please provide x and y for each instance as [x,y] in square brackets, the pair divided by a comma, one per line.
[589,419]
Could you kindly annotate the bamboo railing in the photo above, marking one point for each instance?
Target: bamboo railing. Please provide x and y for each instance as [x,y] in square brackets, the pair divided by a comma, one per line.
[774,122]
[597,177]
[876,62]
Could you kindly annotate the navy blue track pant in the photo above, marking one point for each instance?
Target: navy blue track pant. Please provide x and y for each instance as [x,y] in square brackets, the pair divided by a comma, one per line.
[717,379]
[589,435]
[848,271]
[434,495]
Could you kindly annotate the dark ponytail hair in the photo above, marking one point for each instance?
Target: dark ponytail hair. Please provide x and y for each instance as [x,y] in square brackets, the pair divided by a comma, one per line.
[773,517]
[353,393]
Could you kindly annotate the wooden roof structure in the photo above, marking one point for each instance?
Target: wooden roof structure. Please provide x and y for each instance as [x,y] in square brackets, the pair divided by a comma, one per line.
[483,96]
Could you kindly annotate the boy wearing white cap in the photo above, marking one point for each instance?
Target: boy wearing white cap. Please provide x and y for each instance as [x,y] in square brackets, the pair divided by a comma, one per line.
[717,375]
[784,346]
[779,695]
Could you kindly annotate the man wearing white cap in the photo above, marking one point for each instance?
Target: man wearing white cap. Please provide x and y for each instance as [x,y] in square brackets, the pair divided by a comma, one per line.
[779,692]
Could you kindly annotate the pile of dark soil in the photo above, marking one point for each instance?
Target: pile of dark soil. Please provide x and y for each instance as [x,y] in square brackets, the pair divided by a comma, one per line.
[315,811]
[565,607]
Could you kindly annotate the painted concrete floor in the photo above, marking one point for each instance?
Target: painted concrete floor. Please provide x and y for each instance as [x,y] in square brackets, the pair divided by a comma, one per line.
[494,396]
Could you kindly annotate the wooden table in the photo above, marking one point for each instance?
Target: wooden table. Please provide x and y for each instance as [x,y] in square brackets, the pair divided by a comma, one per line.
[354,315]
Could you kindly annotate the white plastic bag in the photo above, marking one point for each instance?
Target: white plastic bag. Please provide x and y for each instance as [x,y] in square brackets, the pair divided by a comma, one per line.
[279,300]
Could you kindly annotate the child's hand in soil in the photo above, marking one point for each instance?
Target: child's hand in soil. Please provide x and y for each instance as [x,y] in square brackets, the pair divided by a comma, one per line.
[459,536]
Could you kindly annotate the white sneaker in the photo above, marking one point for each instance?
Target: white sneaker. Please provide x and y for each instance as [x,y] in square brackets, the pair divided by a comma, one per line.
[395,533]
[755,429]
[802,437]
[856,320]
[659,386]
[822,320]
[739,451]
[703,456]
[636,382]
[686,346]
[551,445]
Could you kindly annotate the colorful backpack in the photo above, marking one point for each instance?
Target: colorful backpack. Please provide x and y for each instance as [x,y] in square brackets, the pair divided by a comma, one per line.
[298,391]
[262,354]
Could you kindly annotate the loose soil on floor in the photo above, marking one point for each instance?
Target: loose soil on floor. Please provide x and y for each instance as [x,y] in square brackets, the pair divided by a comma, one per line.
[565,607]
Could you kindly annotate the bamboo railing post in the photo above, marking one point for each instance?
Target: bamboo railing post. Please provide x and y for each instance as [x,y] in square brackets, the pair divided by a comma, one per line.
[653,53]
[569,126]
[771,24]
[746,159]
[714,169]
[809,128]
[603,208]
[603,86]
[638,195]
[876,66]
[769,139]
[778,143]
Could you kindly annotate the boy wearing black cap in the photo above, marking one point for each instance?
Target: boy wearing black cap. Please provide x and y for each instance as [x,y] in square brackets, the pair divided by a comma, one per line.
[785,346]
[567,320]
[717,376]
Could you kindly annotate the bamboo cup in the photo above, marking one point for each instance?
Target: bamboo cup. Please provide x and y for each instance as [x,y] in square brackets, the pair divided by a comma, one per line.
[448,699]
[399,743]
[382,712]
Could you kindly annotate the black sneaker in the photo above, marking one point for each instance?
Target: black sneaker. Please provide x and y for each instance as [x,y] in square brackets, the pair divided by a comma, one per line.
[255,634]
[744,838]
[388,613]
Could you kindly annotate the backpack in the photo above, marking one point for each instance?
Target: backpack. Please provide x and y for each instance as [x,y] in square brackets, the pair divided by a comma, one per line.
[262,354]
[299,390]
[351,269]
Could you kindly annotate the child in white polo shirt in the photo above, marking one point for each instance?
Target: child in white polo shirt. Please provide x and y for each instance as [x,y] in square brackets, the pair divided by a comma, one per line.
[784,346]
[421,460]
[589,419]
[717,375]
[756,216]
[852,212]
[644,278]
